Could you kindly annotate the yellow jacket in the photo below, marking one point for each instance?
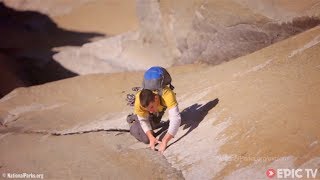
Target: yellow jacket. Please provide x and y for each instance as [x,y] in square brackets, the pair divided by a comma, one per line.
[168,99]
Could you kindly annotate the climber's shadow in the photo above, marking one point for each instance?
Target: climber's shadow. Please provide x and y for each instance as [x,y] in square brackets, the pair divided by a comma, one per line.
[190,118]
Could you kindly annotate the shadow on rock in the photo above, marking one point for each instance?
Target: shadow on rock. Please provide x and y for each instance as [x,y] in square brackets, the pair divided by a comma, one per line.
[191,117]
[27,42]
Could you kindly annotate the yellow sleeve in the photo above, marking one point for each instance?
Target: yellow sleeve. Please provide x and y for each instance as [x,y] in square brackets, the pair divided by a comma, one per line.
[138,109]
[169,98]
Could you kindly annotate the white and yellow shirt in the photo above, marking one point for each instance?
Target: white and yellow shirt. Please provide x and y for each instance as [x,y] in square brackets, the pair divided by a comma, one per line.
[168,99]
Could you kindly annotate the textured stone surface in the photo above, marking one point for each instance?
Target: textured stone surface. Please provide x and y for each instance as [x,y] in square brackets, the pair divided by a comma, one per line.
[179,32]
[238,119]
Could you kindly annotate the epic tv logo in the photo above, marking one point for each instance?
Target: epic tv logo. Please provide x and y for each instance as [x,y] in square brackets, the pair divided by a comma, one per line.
[292,173]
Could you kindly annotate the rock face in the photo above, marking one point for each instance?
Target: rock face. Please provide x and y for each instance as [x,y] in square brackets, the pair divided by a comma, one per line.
[33,31]
[84,15]
[179,32]
[27,40]
[239,119]
[51,8]
[170,32]
[129,51]
[283,10]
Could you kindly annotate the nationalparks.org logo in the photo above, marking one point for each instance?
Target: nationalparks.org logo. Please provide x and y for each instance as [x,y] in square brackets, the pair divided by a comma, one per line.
[292,173]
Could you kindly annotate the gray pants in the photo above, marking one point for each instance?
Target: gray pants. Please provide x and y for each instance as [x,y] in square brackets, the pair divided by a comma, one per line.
[137,132]
[136,129]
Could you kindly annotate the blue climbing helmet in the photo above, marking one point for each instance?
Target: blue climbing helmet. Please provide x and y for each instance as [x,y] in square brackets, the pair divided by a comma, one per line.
[156,78]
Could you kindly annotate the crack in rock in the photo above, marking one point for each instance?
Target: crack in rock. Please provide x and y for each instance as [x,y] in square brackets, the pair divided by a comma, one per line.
[44,132]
